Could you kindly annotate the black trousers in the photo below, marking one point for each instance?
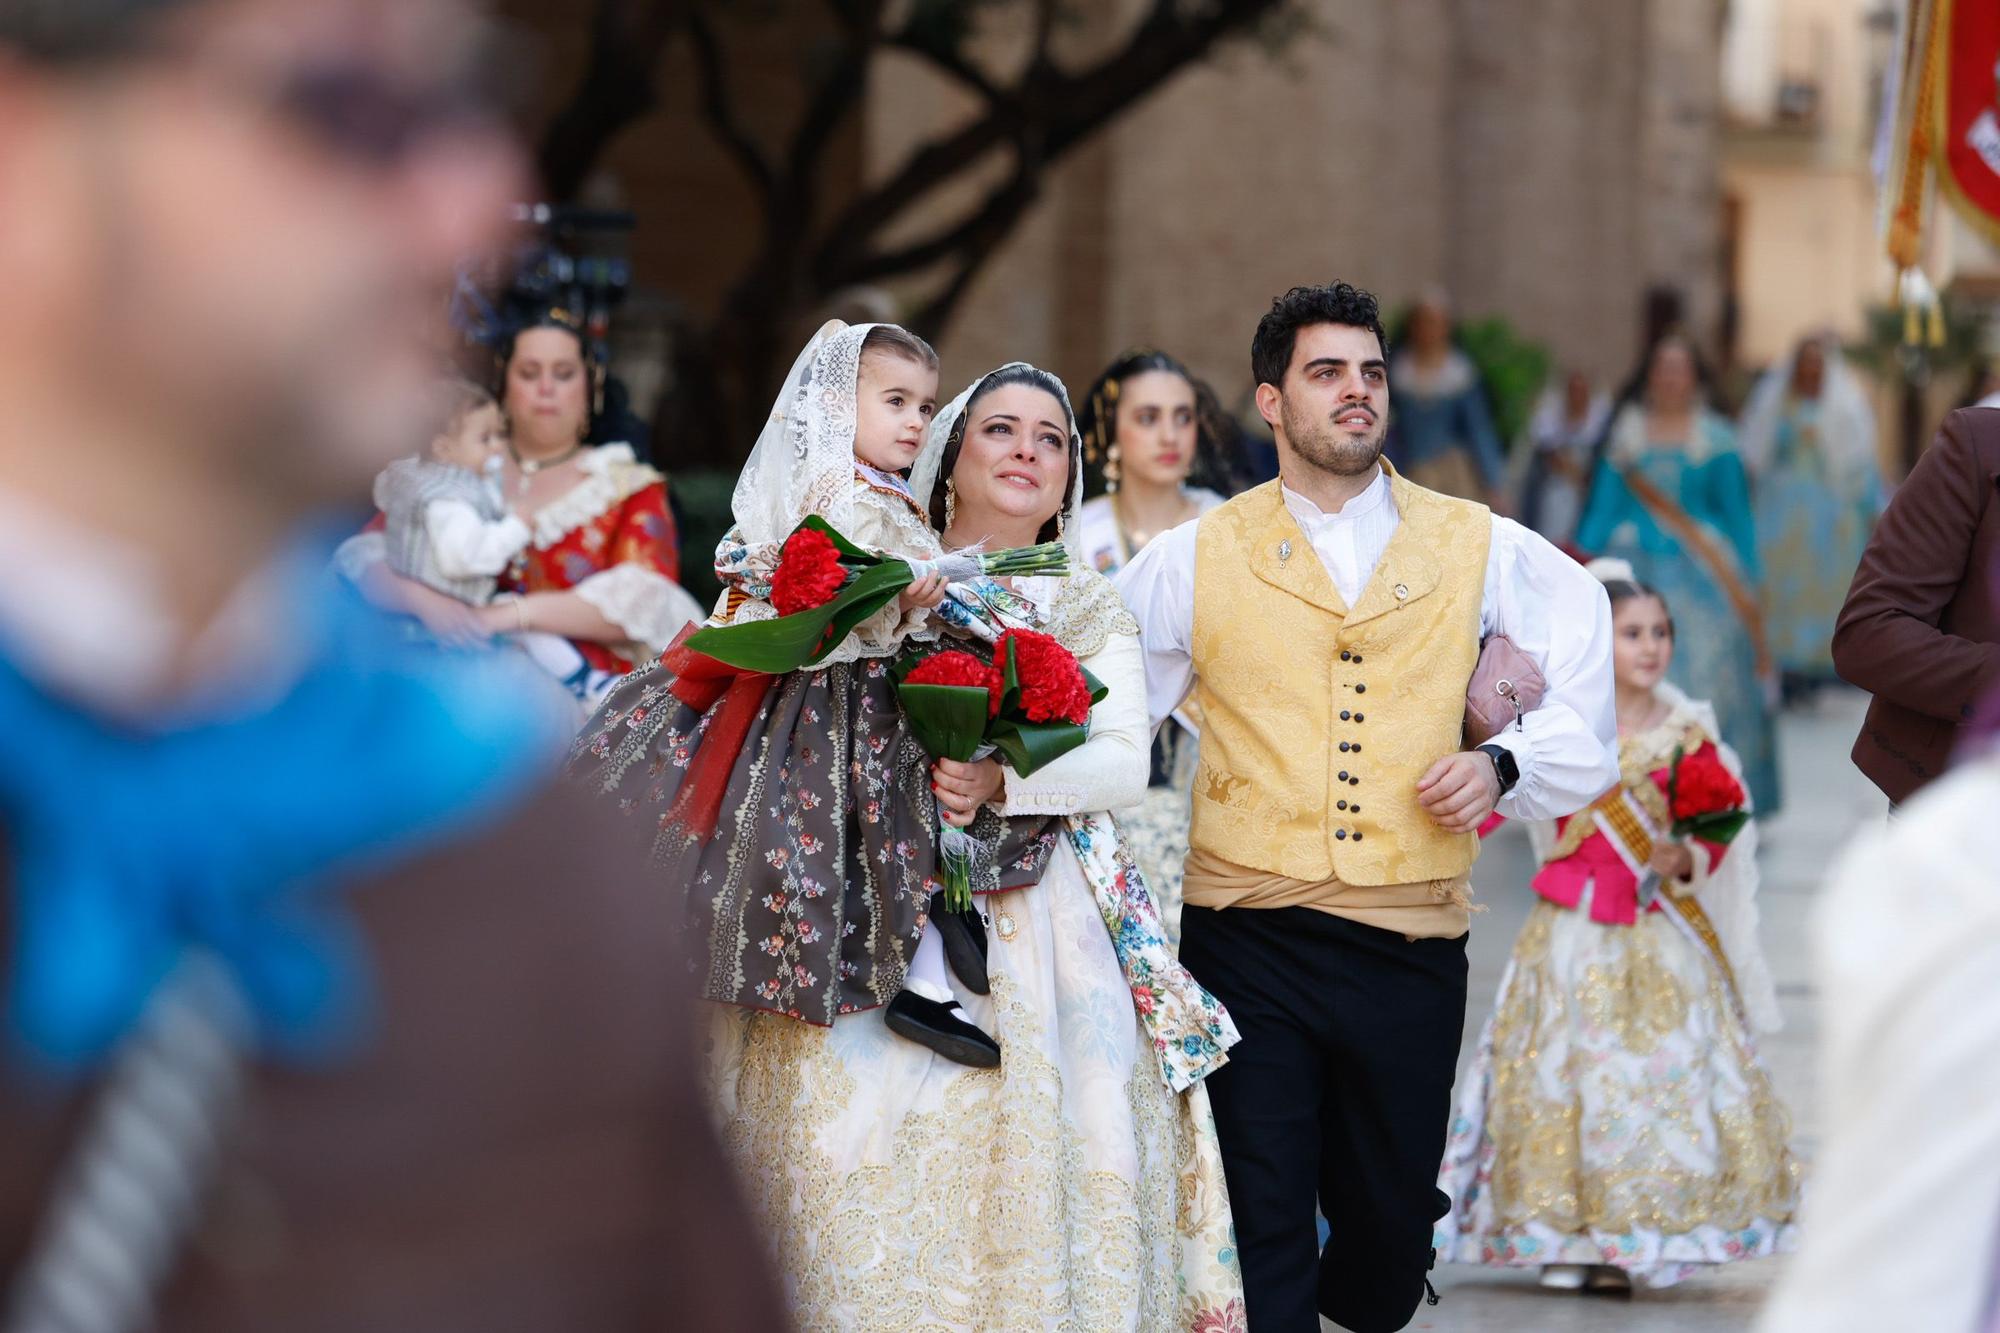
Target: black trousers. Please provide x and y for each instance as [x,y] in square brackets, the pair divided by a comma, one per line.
[1340,1089]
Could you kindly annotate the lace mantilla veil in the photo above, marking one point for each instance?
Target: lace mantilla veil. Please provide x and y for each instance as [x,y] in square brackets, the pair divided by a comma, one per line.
[924,477]
[803,461]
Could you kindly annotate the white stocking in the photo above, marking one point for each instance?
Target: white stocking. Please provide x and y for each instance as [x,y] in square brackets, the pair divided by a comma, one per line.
[928,976]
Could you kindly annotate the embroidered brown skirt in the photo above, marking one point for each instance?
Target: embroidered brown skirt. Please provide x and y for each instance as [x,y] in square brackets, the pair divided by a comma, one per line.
[795,814]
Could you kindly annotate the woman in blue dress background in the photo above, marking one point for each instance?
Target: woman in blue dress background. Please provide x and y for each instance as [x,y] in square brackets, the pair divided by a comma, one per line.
[1808,440]
[1671,498]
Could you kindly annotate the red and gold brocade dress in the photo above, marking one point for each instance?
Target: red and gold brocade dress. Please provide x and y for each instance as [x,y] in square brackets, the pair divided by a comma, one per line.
[611,540]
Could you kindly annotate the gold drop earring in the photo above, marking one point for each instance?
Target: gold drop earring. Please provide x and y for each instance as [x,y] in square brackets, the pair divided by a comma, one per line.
[950,503]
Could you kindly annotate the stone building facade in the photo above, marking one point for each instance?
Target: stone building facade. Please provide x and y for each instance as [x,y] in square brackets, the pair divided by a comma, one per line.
[1547,160]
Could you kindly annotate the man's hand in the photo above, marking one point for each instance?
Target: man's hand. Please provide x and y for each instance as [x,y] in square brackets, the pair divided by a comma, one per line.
[1460,791]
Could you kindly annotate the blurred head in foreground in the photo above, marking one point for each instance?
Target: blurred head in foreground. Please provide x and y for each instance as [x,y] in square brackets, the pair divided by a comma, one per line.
[277,940]
[229,227]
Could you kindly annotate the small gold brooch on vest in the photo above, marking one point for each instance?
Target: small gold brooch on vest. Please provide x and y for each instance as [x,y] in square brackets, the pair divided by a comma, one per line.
[1284,550]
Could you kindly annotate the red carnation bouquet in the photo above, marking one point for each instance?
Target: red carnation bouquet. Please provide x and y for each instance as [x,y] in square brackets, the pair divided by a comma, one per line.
[825,585]
[1706,802]
[1704,797]
[1029,703]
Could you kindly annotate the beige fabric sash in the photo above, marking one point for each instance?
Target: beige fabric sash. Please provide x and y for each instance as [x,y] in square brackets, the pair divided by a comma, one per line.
[1427,909]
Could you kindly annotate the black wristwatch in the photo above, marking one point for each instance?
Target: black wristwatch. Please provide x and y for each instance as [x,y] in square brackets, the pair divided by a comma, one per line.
[1504,766]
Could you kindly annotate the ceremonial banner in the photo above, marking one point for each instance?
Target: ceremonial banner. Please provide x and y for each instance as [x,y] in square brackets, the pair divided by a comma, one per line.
[1968,109]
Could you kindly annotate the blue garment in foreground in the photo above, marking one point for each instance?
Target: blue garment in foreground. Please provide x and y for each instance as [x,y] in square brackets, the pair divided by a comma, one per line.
[236,832]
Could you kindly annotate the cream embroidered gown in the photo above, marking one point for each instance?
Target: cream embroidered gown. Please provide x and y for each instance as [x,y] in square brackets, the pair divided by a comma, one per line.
[1069,1189]
[1616,1112]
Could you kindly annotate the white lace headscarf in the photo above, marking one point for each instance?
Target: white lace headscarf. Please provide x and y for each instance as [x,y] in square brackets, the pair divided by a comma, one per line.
[924,478]
[1846,419]
[803,462]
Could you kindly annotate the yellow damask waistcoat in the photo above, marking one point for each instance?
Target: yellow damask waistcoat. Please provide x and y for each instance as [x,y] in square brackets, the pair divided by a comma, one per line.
[1318,719]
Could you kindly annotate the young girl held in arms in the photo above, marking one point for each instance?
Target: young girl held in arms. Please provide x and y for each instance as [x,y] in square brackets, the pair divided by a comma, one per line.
[796,810]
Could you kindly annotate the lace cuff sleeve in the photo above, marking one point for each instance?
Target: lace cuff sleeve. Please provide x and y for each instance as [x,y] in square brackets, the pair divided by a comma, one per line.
[648,606]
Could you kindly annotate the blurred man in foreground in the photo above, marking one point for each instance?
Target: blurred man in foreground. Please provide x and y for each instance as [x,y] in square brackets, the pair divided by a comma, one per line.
[320,1006]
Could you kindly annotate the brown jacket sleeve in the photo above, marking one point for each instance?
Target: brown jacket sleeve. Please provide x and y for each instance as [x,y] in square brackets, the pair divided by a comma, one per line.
[1888,640]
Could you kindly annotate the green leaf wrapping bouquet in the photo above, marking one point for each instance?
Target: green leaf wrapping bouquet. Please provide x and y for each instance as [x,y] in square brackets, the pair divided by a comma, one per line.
[825,585]
[1029,703]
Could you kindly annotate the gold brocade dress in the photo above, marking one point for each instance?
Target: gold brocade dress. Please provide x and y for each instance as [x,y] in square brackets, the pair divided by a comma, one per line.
[1616,1112]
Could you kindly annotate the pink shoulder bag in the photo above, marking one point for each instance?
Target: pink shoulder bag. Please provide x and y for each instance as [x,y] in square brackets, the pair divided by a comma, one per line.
[1506,683]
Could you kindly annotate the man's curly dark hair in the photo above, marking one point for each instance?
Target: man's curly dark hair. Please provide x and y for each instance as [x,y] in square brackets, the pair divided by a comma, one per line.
[1278,331]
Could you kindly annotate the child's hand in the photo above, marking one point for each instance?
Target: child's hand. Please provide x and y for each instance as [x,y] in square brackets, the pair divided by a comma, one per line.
[923,594]
[962,788]
[1672,860]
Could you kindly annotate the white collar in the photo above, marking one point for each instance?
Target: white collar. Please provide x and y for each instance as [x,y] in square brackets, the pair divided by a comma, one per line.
[86,615]
[1311,515]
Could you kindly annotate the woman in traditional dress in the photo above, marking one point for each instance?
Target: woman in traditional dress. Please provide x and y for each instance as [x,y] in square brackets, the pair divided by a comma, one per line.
[1079,1185]
[1616,1125]
[1808,440]
[1671,499]
[1569,420]
[601,568]
[1442,436]
[1149,464]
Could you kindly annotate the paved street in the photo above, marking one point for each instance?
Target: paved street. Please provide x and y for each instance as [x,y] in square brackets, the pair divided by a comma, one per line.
[1825,799]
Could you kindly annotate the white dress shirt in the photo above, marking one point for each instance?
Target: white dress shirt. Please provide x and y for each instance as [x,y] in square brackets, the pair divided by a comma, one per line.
[1554,611]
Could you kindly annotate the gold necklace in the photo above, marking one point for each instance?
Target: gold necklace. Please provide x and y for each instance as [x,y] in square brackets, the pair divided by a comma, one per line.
[1136,538]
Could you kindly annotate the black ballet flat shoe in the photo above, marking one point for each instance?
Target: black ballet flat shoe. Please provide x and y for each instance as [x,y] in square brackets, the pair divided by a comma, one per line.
[931,1024]
[964,936]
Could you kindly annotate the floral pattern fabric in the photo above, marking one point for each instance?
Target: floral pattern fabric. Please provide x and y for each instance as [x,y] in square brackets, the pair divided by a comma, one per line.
[1190,1031]
[810,898]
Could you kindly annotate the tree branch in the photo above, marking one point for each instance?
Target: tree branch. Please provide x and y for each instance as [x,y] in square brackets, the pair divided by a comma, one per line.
[948,62]
[1052,109]
[1005,203]
[718,106]
[616,88]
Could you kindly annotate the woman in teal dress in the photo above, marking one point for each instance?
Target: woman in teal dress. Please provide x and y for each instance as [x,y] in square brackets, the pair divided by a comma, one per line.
[1808,440]
[1671,498]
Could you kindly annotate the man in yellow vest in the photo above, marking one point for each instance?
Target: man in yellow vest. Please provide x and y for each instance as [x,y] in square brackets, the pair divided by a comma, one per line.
[1327,625]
